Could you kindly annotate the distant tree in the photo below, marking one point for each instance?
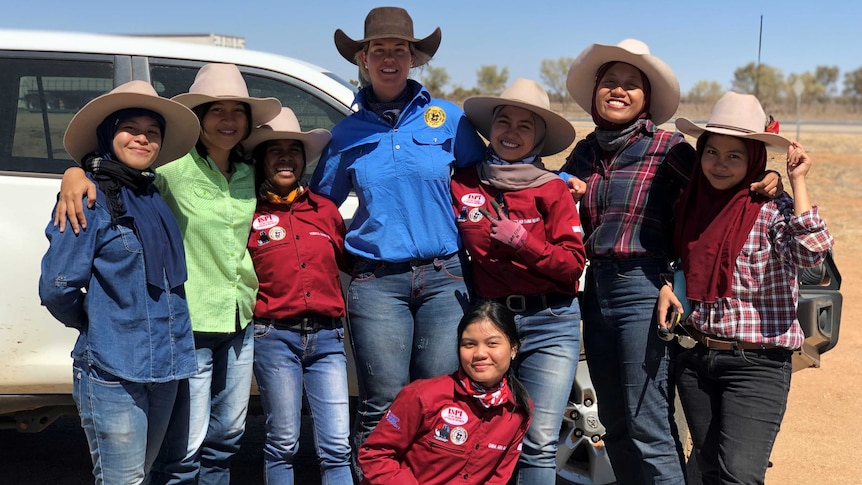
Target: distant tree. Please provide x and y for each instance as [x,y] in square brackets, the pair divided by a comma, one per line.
[765,82]
[704,93]
[828,77]
[853,86]
[490,80]
[459,93]
[553,73]
[434,78]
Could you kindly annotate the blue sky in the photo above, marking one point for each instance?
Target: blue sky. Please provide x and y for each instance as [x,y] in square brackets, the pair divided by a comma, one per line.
[699,40]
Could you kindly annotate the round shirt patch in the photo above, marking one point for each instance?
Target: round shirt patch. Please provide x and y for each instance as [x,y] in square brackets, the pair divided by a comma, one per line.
[435,116]
[475,215]
[277,233]
[264,221]
[458,436]
[473,200]
[454,415]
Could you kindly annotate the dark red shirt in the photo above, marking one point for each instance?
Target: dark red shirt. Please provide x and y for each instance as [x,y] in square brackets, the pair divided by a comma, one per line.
[553,258]
[436,434]
[297,251]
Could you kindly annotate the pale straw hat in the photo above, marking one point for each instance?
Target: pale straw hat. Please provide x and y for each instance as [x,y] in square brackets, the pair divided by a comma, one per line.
[223,82]
[285,126]
[181,124]
[738,115]
[527,94]
[387,23]
[581,81]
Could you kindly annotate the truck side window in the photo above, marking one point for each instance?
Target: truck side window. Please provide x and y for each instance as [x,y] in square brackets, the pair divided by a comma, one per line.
[38,98]
[312,107]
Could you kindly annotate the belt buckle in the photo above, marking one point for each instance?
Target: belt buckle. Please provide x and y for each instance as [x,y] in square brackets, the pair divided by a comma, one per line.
[306,325]
[511,298]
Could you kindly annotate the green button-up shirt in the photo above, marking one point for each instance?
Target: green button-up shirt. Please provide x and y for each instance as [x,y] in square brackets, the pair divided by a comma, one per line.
[215,218]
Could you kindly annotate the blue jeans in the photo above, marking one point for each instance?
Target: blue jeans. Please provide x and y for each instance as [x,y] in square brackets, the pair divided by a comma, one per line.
[629,367]
[209,415]
[403,326]
[734,403]
[124,422]
[546,365]
[285,361]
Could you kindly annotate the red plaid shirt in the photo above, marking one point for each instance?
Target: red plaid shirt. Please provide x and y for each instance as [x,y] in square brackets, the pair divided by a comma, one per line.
[765,287]
[628,209]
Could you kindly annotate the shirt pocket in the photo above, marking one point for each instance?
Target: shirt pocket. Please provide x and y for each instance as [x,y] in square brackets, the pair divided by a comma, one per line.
[204,191]
[431,156]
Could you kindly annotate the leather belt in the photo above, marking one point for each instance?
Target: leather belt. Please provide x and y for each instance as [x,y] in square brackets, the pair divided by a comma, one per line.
[305,324]
[716,343]
[520,303]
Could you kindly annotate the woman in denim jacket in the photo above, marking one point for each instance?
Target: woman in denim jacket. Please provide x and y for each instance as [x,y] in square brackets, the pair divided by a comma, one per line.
[120,284]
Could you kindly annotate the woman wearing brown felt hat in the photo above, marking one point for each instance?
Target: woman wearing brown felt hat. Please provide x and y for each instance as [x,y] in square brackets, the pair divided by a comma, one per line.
[397,152]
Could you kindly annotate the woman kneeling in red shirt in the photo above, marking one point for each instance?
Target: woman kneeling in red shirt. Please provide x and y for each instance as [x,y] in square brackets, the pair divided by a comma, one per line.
[463,428]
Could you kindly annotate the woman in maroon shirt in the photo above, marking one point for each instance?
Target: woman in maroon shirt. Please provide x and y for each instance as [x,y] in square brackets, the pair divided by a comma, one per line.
[463,428]
[297,245]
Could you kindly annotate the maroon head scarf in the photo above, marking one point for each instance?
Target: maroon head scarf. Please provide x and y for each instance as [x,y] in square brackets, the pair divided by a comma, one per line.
[712,225]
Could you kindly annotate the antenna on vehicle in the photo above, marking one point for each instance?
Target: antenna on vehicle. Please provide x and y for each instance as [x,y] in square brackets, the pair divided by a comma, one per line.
[757,67]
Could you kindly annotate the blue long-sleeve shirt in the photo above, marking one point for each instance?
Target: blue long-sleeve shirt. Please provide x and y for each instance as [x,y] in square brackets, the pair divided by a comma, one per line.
[133,330]
[401,176]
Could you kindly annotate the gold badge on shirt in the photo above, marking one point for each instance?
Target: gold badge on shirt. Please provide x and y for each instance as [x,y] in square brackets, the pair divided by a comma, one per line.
[435,116]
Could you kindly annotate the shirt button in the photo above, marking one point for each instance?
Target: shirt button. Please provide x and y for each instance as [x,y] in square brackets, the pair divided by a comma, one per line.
[296,237]
[302,265]
[307,293]
[398,147]
[477,446]
[466,476]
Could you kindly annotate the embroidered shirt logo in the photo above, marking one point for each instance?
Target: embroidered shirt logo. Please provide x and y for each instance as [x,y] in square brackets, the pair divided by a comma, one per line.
[264,221]
[435,116]
[454,416]
[394,420]
[473,200]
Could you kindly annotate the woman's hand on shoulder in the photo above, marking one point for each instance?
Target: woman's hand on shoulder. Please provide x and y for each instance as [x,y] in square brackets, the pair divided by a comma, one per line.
[70,201]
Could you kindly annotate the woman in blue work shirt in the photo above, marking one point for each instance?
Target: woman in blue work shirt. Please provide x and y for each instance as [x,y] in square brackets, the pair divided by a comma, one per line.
[408,290]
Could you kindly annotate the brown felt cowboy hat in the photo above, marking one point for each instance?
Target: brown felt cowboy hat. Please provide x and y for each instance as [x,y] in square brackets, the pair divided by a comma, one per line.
[581,81]
[387,23]
[737,115]
[223,82]
[285,126]
[529,95]
[181,125]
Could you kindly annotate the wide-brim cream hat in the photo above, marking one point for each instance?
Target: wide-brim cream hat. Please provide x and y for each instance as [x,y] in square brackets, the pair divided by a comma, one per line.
[739,115]
[664,86]
[387,23]
[181,124]
[527,94]
[285,126]
[223,82]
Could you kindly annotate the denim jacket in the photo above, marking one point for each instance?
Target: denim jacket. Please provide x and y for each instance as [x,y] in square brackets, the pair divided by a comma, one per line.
[95,282]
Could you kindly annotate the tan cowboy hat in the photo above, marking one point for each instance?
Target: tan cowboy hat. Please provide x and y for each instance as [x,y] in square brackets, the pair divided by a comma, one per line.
[223,82]
[181,125]
[387,23]
[285,126]
[527,94]
[664,98]
[737,115]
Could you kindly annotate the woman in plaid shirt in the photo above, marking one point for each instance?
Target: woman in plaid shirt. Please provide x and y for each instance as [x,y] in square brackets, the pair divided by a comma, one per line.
[740,253]
[631,173]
